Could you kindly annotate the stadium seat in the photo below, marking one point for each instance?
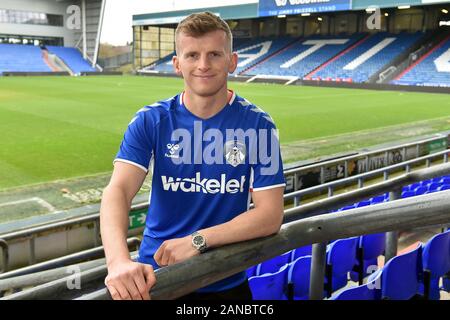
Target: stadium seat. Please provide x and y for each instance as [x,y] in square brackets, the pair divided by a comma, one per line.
[421,190]
[274,264]
[299,278]
[444,187]
[408,194]
[434,186]
[436,263]
[363,204]
[370,247]
[270,286]
[367,291]
[414,186]
[401,276]
[377,199]
[301,252]
[341,258]
[251,272]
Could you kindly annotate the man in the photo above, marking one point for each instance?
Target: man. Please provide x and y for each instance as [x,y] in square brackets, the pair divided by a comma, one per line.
[203,170]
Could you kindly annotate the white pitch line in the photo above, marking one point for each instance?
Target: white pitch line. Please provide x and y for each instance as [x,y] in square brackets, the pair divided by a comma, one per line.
[40,201]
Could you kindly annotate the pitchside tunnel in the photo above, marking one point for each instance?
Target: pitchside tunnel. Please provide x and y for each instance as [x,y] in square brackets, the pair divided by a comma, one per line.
[359,218]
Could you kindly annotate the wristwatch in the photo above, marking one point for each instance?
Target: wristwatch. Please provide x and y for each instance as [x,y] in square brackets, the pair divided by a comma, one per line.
[199,242]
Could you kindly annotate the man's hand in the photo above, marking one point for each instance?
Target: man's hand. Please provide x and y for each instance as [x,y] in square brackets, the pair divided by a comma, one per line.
[174,251]
[129,280]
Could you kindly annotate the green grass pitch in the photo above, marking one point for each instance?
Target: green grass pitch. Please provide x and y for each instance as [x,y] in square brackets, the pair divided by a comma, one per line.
[62,127]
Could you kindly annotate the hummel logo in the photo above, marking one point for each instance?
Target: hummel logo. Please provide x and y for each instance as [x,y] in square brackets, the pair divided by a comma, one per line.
[172,149]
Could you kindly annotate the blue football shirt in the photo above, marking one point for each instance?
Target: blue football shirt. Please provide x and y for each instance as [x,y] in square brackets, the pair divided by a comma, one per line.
[203,169]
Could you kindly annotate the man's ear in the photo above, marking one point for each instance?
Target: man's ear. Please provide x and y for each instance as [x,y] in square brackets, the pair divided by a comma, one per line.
[176,65]
[234,62]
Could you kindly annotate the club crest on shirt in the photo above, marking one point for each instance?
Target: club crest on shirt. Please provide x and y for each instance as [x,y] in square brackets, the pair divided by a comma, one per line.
[235,152]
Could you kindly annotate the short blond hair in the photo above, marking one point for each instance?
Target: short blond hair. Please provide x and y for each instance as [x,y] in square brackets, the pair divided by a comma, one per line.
[198,24]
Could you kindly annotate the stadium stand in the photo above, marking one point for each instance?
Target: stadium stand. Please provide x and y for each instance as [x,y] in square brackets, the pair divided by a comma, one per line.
[304,55]
[162,65]
[351,58]
[28,58]
[431,70]
[367,58]
[260,50]
[72,58]
[21,58]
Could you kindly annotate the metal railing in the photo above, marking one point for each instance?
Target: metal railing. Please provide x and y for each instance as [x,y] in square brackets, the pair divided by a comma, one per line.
[405,214]
[345,160]
[180,279]
[31,233]
[89,280]
[66,260]
[32,280]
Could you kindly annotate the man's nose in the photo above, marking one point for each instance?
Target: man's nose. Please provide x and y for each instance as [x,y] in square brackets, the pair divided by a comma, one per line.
[204,63]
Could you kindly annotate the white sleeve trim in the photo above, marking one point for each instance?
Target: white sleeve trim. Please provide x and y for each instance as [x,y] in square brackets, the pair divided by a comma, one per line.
[132,163]
[270,187]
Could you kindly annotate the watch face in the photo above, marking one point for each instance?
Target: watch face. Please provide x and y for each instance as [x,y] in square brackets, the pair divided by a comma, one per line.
[198,240]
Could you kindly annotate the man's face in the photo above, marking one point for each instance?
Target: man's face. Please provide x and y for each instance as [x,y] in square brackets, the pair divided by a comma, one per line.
[204,62]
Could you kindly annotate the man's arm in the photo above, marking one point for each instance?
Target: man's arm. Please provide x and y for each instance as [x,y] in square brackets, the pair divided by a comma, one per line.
[265,219]
[126,279]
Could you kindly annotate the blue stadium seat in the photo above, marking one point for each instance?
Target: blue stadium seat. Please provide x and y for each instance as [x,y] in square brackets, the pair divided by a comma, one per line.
[251,272]
[270,286]
[434,186]
[414,186]
[421,190]
[436,263]
[408,194]
[347,208]
[274,264]
[444,187]
[377,199]
[301,252]
[341,258]
[362,292]
[363,204]
[299,278]
[370,247]
[401,276]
